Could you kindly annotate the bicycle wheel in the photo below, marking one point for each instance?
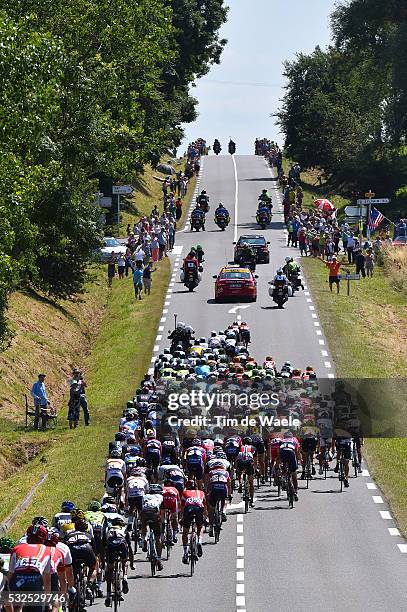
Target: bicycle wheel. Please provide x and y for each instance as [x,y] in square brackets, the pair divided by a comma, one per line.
[134,532]
[217,521]
[341,473]
[355,460]
[308,470]
[245,494]
[116,585]
[152,552]
[168,535]
[192,550]
[290,491]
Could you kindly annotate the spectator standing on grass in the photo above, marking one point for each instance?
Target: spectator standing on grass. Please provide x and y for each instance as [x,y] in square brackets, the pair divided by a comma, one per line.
[77,378]
[111,269]
[302,241]
[334,271]
[155,248]
[178,209]
[147,280]
[121,265]
[162,242]
[138,280]
[127,261]
[41,402]
[171,235]
[350,246]
[360,261]
[369,263]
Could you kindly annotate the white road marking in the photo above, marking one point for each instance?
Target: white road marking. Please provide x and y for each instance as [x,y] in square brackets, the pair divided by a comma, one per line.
[393,531]
[239,588]
[240,551]
[171,284]
[236,308]
[159,338]
[371,486]
[309,300]
[327,364]
[236,197]
[311,307]
[161,328]
[321,342]
[330,375]
[377,499]
[316,324]
[240,602]
[385,514]
[365,473]
[165,311]
[156,348]
[239,517]
[402,548]
[239,563]
[324,353]
[240,540]
[306,293]
[239,527]
[239,576]
[314,316]
[167,303]
[177,250]
[163,319]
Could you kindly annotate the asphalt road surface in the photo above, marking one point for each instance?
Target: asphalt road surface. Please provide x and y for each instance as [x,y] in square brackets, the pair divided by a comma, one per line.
[334,551]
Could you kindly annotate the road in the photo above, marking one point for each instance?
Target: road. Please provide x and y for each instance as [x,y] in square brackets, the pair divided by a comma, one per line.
[334,551]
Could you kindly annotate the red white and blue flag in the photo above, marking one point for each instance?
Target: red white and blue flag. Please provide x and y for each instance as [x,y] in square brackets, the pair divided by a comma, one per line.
[375,218]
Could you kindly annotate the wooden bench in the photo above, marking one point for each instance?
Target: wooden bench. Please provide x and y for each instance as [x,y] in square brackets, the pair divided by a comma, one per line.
[51,416]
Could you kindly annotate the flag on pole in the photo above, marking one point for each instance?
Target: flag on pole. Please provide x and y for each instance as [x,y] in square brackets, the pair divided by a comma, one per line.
[375,218]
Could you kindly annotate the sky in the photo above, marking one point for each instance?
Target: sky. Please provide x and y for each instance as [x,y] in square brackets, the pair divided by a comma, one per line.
[237,97]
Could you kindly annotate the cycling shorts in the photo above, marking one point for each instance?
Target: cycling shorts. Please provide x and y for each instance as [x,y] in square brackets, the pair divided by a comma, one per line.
[245,466]
[288,456]
[114,479]
[196,469]
[154,520]
[153,457]
[344,449]
[231,452]
[309,445]
[219,491]
[260,447]
[83,554]
[117,549]
[26,581]
[55,584]
[325,442]
[178,482]
[191,512]
[135,502]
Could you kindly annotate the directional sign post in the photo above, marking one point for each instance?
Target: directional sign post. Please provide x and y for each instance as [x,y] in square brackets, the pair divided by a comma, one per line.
[369,201]
[349,277]
[121,190]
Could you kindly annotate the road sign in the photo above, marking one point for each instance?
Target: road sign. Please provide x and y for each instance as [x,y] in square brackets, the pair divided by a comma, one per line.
[374,201]
[356,211]
[122,189]
[349,276]
[370,194]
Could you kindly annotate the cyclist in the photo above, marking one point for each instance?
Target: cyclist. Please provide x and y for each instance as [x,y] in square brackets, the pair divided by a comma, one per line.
[115,473]
[171,502]
[152,453]
[309,443]
[30,563]
[97,519]
[61,566]
[195,461]
[137,487]
[289,453]
[63,517]
[173,473]
[219,488]
[246,462]
[343,443]
[193,506]
[169,448]
[118,547]
[260,447]
[81,543]
[151,514]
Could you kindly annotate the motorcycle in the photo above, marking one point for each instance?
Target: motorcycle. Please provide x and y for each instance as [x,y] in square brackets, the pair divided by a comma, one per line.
[217,148]
[222,222]
[295,282]
[191,278]
[279,293]
[244,262]
[203,204]
[263,219]
[197,223]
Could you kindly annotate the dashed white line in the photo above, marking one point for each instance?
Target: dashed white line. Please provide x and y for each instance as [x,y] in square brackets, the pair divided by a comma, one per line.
[311,307]
[330,375]
[314,316]
[321,342]
[309,300]
[377,499]
[324,353]
[393,531]
[163,319]
[371,486]
[316,324]
[159,338]
[385,514]
[156,348]
[328,365]
[161,328]
[165,311]
[365,473]
[402,548]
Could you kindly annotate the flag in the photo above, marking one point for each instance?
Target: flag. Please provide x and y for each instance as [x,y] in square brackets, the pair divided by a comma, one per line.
[375,218]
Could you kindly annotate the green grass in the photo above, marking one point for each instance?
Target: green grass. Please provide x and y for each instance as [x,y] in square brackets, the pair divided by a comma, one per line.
[367,334]
[120,356]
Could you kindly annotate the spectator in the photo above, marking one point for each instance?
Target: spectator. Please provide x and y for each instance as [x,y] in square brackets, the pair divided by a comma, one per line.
[171,235]
[162,243]
[111,269]
[127,261]
[41,402]
[128,229]
[178,209]
[334,269]
[121,265]
[77,378]
[360,263]
[350,246]
[138,280]
[147,280]
[302,241]
[369,263]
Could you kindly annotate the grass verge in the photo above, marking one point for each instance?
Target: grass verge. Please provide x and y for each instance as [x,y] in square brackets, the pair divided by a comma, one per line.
[120,356]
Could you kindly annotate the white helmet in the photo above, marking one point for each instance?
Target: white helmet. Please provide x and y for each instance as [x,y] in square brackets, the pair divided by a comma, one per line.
[288,259]
[180,325]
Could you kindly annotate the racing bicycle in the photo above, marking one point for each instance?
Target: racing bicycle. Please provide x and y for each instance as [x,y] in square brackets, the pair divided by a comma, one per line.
[193,547]
[152,555]
[217,520]
[246,493]
[167,533]
[288,484]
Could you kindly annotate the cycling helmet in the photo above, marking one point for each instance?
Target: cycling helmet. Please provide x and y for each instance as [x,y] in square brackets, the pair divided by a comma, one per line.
[180,325]
[288,259]
[196,442]
[156,489]
[118,521]
[202,339]
[53,535]
[213,334]
[94,506]
[279,271]
[141,462]
[40,520]
[247,440]
[288,434]
[77,515]
[220,455]
[109,499]
[109,508]
[81,525]
[115,453]
[67,506]
[6,545]
[37,532]
[190,484]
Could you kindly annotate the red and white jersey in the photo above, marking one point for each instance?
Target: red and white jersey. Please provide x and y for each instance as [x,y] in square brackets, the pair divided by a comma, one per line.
[153,444]
[31,558]
[193,499]
[290,444]
[66,557]
[171,497]
[217,463]
[247,452]
[195,454]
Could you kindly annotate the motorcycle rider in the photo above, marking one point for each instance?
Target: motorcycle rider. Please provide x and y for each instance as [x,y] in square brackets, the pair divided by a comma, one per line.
[216,146]
[199,254]
[263,209]
[198,213]
[247,255]
[191,263]
[222,212]
[266,199]
[280,277]
[203,201]
[291,270]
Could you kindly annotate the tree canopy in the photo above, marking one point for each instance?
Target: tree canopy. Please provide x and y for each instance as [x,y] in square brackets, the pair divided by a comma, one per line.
[87,87]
